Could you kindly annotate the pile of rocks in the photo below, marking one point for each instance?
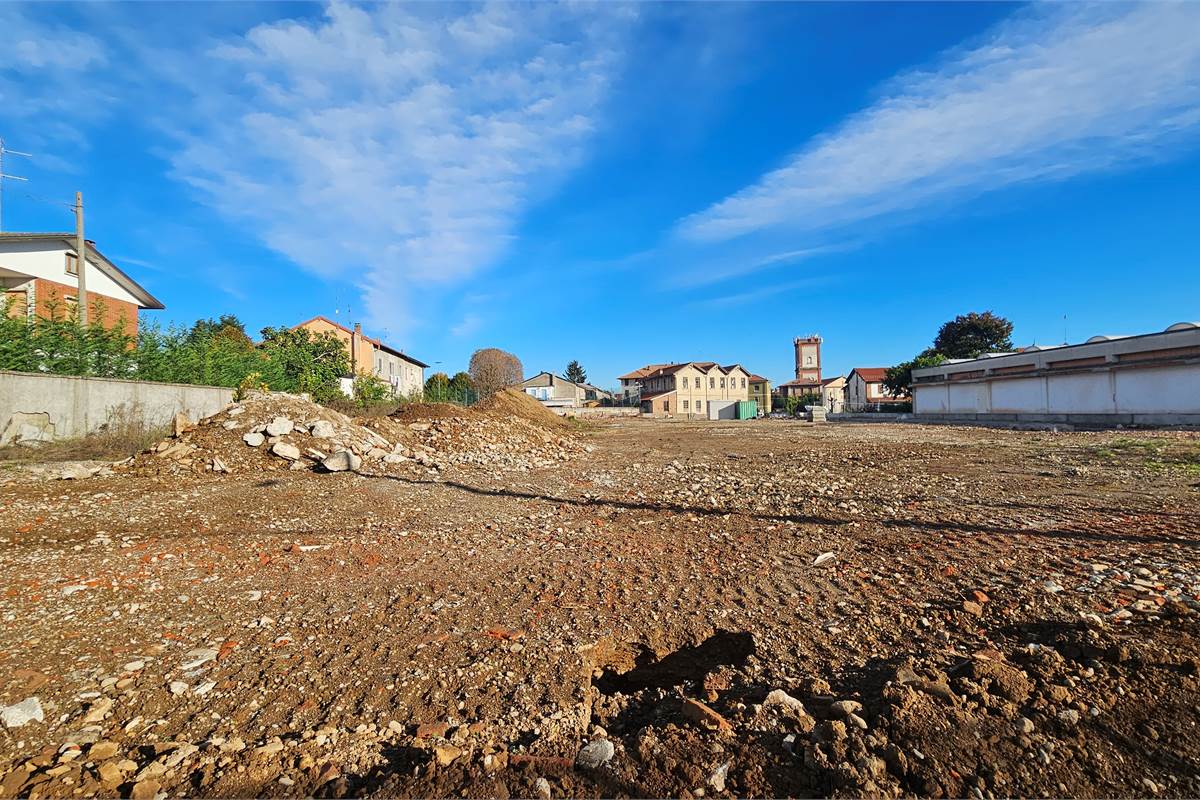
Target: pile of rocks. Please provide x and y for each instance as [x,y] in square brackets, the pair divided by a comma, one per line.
[267,431]
[271,431]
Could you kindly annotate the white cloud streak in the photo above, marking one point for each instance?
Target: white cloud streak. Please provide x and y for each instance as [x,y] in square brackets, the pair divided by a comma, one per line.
[42,67]
[394,145]
[1061,91]
[763,292]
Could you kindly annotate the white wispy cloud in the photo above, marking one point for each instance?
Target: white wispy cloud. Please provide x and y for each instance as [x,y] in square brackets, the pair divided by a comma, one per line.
[1056,92]
[727,267]
[44,66]
[394,145]
[763,292]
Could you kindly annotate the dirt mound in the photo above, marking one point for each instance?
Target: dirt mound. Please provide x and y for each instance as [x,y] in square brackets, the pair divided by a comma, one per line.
[487,439]
[278,431]
[420,412]
[513,403]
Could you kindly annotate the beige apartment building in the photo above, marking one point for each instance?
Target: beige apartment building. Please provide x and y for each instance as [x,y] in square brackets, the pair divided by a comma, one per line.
[685,389]
[405,374]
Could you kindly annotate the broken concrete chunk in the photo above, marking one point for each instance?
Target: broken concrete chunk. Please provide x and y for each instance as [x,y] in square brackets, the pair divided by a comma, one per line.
[342,461]
[285,450]
[198,657]
[322,429]
[254,439]
[595,754]
[280,426]
[778,697]
[22,713]
[78,472]
[98,711]
[844,708]
[181,424]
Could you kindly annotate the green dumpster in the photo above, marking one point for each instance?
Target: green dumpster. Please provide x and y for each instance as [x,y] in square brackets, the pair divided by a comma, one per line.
[747,409]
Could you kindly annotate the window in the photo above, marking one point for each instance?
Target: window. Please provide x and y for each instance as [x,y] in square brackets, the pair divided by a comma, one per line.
[743,383]
[808,360]
[685,386]
[685,405]
[722,383]
[72,264]
[712,383]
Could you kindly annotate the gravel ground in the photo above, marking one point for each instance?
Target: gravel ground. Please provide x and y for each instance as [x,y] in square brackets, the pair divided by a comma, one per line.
[688,609]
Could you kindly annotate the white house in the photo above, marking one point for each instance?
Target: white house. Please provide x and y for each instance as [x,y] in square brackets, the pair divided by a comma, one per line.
[556,391]
[39,273]
[864,387]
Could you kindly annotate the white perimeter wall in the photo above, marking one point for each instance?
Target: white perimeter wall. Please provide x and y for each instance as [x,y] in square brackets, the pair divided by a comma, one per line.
[77,406]
[1152,390]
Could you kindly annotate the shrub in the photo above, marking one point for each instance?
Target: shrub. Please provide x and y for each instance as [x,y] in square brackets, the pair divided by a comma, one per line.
[371,389]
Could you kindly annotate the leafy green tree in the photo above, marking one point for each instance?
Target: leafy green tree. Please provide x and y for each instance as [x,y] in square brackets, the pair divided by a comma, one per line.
[576,373]
[461,382]
[16,339]
[966,336]
[297,360]
[437,387]
[227,326]
[209,353]
[971,335]
[810,399]
[370,389]
[898,379]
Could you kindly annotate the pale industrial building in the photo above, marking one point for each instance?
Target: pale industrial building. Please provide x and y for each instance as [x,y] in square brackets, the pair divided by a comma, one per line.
[1151,379]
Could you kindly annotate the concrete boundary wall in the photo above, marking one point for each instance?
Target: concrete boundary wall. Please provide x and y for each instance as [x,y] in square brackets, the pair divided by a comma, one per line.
[598,411]
[874,416]
[37,407]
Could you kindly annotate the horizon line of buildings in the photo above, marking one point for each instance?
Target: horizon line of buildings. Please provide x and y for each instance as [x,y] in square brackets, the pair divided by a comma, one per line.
[675,388]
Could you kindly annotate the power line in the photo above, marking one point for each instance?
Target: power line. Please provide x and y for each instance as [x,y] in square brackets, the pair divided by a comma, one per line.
[3,151]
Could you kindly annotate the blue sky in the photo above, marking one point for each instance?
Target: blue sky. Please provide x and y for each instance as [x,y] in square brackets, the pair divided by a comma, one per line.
[623,184]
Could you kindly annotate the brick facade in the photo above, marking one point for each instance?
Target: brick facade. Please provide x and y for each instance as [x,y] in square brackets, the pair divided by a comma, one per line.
[53,298]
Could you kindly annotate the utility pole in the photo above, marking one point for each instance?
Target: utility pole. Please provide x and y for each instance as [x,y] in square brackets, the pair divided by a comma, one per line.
[81,260]
[4,150]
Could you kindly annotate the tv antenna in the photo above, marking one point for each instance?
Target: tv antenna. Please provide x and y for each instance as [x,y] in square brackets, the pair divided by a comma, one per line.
[5,151]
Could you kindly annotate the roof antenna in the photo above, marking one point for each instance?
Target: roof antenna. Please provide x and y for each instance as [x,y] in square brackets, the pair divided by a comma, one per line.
[4,150]
[1065,339]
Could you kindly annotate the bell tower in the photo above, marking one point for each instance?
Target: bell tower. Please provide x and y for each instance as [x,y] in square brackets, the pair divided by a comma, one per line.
[808,358]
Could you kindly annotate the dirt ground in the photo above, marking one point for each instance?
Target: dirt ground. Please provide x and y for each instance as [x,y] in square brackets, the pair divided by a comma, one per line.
[760,608]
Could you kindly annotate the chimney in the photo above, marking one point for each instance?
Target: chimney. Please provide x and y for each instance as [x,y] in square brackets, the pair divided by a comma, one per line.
[354,337]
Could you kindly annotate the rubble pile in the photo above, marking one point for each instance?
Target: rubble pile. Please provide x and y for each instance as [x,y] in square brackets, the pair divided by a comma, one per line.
[273,431]
[267,431]
[485,440]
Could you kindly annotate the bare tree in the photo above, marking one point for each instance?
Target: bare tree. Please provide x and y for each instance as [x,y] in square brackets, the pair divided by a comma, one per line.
[492,370]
